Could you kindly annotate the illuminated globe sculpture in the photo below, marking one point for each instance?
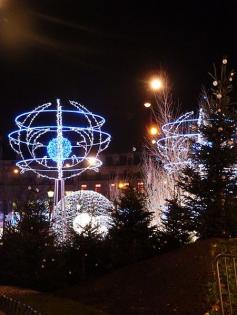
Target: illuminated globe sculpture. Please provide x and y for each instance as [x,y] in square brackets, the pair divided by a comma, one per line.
[83,209]
[59,141]
[174,146]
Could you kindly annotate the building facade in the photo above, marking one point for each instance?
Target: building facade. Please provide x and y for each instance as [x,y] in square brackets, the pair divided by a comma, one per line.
[117,172]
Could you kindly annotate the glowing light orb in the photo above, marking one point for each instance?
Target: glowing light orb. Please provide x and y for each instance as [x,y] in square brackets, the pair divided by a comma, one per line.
[147,104]
[85,220]
[59,149]
[156,84]
[81,221]
[91,160]
[83,208]
[154,131]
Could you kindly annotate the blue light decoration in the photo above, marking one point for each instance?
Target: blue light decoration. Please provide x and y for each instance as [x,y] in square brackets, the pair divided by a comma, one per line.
[59,149]
[54,151]
[59,141]
[174,146]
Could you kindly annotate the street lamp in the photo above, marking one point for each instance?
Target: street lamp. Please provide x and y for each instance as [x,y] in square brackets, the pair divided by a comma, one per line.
[50,193]
[16,171]
[147,104]
[153,131]
[156,84]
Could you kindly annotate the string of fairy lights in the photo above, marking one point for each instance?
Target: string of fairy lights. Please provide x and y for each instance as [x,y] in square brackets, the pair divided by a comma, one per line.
[58,149]
[83,209]
[174,145]
[58,141]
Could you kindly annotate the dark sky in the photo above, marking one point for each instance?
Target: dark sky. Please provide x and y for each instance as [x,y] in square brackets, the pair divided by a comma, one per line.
[102,54]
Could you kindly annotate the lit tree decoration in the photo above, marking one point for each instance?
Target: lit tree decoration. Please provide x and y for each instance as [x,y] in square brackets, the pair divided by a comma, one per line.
[173,147]
[159,185]
[83,209]
[59,142]
[167,152]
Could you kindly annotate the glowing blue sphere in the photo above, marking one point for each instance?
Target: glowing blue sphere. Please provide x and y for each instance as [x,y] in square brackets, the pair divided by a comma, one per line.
[59,152]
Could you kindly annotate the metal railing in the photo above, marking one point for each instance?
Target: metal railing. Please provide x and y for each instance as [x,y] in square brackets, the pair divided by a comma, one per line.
[226,274]
[10,306]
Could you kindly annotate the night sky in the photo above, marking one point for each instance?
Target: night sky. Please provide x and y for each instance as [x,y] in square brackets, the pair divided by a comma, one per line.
[102,54]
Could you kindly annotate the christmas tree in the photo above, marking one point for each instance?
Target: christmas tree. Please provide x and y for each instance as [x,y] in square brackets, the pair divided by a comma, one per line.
[176,225]
[83,254]
[131,234]
[209,184]
[27,244]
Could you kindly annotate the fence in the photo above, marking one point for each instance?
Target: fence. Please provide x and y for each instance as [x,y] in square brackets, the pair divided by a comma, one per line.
[10,306]
[226,274]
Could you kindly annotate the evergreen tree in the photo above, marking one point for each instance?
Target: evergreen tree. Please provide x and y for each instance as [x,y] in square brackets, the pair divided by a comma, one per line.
[83,254]
[176,226]
[131,234]
[210,183]
[28,246]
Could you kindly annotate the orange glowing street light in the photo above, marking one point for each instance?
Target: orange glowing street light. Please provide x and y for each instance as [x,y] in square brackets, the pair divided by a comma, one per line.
[16,171]
[156,84]
[153,131]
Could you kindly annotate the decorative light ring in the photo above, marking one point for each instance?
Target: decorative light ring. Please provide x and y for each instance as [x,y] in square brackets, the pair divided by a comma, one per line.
[174,146]
[57,141]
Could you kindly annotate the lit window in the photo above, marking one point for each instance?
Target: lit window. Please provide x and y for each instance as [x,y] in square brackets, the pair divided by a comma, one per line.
[97,187]
[83,187]
[122,185]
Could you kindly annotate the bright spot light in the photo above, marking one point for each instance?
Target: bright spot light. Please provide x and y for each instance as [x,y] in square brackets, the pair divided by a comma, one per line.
[68,193]
[16,171]
[147,104]
[67,164]
[84,219]
[153,131]
[81,221]
[153,141]
[50,194]
[121,185]
[92,161]
[156,84]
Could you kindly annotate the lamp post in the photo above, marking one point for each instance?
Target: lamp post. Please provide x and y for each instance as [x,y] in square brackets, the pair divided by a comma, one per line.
[156,85]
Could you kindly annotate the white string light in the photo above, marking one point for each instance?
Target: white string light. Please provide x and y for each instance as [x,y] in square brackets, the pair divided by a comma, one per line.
[58,148]
[58,142]
[83,208]
[174,145]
